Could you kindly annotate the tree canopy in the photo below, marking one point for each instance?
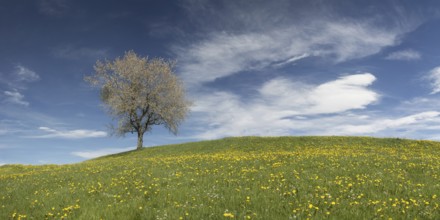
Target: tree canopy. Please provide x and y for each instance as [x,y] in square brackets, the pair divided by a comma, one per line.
[140,92]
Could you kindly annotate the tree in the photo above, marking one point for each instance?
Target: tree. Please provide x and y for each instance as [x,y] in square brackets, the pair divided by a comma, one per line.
[139,93]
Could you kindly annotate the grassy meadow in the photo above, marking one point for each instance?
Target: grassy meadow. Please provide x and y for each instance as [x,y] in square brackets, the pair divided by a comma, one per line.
[236,178]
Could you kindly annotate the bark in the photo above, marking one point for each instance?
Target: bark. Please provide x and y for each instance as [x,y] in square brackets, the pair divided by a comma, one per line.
[140,141]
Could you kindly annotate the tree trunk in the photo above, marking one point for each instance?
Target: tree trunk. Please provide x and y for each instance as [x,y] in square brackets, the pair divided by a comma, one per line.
[140,140]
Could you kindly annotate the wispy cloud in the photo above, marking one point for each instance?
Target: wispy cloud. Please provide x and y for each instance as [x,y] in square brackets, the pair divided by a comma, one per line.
[337,107]
[101,152]
[382,124]
[279,104]
[70,134]
[17,82]
[265,38]
[418,125]
[24,74]
[20,78]
[252,37]
[291,60]
[434,77]
[224,54]
[408,54]
[238,39]
[15,97]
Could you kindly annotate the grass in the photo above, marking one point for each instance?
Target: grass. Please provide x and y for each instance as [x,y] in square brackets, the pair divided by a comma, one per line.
[236,178]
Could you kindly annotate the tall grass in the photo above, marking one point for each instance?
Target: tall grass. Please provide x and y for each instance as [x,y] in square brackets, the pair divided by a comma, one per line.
[236,178]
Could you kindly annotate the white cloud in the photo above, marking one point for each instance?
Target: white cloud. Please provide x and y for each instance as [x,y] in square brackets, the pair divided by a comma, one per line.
[420,104]
[226,115]
[351,40]
[26,75]
[101,152]
[239,37]
[434,77]
[346,93]
[17,81]
[15,97]
[223,54]
[286,107]
[261,37]
[379,125]
[72,134]
[279,102]
[292,60]
[1,164]
[404,55]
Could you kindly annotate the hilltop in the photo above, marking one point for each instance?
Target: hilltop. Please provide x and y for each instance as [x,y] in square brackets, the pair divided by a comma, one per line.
[239,178]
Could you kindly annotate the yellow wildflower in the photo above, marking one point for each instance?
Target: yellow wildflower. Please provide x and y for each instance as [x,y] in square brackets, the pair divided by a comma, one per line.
[228,215]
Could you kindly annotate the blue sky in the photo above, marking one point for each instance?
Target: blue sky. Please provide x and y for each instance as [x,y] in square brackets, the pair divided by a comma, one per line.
[259,67]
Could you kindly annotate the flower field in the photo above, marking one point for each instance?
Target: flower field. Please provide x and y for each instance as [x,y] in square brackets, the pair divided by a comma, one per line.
[236,178]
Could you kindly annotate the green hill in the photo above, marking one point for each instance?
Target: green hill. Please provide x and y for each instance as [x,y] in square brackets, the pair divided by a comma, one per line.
[239,178]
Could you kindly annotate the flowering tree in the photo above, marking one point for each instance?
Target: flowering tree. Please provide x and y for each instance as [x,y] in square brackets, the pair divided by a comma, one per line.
[139,93]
